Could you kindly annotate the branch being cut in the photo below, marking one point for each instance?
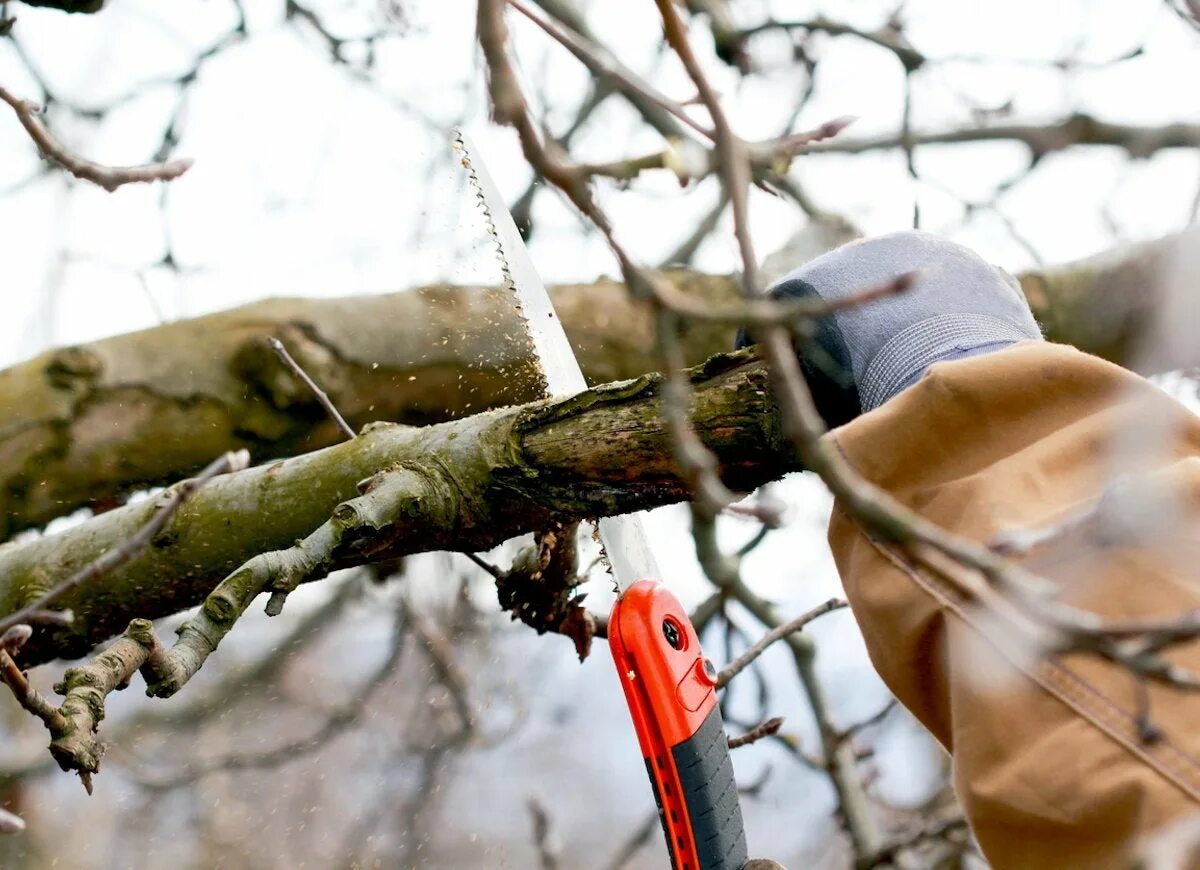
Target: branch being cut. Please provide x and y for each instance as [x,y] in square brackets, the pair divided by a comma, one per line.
[112,559]
[108,177]
[495,475]
[464,485]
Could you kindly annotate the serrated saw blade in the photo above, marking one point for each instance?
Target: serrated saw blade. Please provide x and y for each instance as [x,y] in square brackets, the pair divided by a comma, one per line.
[623,538]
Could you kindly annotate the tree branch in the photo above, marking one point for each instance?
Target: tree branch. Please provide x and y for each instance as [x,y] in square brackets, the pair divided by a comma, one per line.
[216,386]
[1041,139]
[108,177]
[476,482]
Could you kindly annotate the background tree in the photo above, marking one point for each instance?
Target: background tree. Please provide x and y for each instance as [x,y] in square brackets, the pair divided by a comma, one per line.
[390,713]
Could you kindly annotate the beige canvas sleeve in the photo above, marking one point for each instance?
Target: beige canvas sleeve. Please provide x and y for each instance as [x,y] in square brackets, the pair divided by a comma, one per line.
[1048,760]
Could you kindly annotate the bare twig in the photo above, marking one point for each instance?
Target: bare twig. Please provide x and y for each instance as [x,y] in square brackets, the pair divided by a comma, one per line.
[739,664]
[339,721]
[938,830]
[543,835]
[487,566]
[602,64]
[637,839]
[27,696]
[762,311]
[108,177]
[445,666]
[1040,139]
[294,367]
[766,729]
[870,722]
[885,37]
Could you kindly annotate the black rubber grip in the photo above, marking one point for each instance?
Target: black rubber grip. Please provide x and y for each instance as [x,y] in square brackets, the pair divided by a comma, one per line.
[711,796]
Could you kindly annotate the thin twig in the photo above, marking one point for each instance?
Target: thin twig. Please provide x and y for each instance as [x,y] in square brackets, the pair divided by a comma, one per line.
[294,367]
[108,177]
[640,836]
[543,835]
[27,696]
[888,853]
[870,722]
[739,664]
[487,566]
[595,58]
[766,729]
[175,497]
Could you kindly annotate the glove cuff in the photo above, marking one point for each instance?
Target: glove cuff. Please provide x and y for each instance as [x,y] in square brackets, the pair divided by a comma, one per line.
[906,355]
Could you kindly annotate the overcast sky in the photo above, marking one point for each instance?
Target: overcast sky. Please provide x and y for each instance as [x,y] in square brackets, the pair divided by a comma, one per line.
[311,179]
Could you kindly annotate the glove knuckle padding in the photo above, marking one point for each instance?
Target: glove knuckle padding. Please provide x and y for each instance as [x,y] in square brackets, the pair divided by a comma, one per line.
[858,357]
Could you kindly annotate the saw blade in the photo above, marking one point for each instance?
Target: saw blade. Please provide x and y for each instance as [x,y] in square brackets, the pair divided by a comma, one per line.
[623,539]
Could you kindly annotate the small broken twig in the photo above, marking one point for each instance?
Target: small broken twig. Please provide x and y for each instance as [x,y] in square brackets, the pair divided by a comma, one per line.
[294,367]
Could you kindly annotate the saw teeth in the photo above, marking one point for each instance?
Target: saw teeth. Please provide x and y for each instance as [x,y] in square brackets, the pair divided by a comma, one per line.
[506,278]
[465,159]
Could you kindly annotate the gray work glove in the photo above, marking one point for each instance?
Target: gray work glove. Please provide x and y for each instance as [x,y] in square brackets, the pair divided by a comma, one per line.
[859,357]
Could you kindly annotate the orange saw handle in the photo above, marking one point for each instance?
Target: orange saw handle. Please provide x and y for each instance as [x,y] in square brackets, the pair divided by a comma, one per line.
[671,691]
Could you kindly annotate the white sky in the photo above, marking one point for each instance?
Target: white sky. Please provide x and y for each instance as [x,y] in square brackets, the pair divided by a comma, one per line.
[309,181]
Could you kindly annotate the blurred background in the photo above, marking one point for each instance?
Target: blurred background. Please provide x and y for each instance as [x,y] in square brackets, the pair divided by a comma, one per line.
[332,736]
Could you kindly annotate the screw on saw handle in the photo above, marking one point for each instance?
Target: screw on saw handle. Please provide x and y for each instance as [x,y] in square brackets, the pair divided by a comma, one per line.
[671,692]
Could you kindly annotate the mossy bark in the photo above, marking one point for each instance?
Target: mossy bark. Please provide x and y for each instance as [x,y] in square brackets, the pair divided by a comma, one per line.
[484,478]
[84,425]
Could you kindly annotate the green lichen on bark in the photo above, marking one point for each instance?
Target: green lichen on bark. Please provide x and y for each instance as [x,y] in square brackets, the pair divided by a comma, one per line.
[88,424]
[85,425]
[483,480]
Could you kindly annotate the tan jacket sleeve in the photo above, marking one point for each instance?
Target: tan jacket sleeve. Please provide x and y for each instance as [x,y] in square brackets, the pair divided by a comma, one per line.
[1048,762]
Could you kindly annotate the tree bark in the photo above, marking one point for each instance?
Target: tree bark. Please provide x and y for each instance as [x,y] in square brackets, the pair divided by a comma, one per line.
[462,485]
[81,425]
[84,425]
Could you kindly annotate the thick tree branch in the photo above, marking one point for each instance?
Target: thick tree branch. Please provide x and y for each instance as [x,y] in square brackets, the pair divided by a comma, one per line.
[464,485]
[168,399]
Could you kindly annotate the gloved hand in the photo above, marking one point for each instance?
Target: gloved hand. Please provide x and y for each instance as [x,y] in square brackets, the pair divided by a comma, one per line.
[859,357]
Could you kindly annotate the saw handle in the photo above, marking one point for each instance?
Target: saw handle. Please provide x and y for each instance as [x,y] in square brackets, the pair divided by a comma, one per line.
[670,688]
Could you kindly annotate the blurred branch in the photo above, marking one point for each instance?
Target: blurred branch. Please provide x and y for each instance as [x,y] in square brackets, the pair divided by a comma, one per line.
[887,854]
[108,177]
[640,836]
[1040,139]
[888,36]
[739,664]
[341,720]
[758,732]
[543,836]
[569,29]
[838,761]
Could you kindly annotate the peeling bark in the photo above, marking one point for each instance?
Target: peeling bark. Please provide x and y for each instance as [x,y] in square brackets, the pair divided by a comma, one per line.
[84,425]
[483,479]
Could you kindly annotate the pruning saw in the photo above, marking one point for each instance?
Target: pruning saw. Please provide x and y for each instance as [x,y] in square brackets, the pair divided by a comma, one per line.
[670,687]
